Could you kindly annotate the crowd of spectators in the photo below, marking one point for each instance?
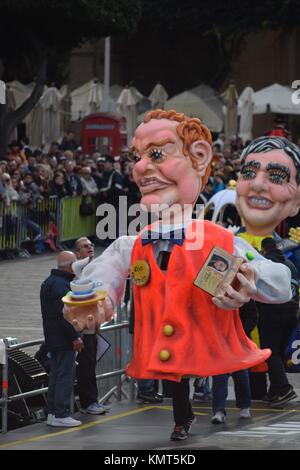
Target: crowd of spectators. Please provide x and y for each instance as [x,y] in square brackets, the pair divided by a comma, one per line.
[28,174]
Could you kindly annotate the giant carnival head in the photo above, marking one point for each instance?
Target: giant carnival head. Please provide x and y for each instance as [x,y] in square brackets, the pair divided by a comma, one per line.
[268,188]
[172,155]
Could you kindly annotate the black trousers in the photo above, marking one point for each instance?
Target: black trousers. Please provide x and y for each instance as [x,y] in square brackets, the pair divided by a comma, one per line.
[86,371]
[275,329]
[182,409]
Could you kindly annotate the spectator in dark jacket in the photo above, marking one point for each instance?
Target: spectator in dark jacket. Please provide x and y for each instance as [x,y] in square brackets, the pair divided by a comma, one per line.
[61,340]
[276,324]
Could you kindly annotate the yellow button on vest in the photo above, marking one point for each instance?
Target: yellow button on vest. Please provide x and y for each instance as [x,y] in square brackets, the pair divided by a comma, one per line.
[140,273]
[168,330]
[164,355]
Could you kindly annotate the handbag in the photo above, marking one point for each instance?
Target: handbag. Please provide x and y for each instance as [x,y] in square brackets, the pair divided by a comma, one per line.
[86,206]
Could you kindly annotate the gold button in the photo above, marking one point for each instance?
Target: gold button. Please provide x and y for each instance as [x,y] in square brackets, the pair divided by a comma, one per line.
[168,330]
[164,355]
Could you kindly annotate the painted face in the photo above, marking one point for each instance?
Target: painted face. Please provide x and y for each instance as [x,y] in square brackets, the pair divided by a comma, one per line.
[220,266]
[267,191]
[162,172]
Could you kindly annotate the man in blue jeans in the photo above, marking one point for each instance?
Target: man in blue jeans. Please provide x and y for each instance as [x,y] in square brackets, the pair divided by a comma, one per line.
[220,392]
[61,340]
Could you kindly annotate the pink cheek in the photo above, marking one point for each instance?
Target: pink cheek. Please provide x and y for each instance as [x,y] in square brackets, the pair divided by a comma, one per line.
[173,170]
[243,188]
[282,194]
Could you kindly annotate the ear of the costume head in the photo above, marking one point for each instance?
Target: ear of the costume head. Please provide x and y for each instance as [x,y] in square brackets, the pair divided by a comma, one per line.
[202,153]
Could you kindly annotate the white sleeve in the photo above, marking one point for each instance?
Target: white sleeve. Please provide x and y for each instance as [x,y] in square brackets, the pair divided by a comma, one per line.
[111,268]
[273,280]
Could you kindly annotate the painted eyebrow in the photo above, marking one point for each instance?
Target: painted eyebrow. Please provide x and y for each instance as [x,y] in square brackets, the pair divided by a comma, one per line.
[154,144]
[252,164]
[278,166]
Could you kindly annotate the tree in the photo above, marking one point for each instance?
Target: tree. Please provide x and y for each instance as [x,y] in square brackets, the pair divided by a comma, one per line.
[34,32]
[222,26]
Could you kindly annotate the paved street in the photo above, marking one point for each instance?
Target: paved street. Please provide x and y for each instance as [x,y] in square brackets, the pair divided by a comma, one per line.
[19,291]
[20,283]
[20,317]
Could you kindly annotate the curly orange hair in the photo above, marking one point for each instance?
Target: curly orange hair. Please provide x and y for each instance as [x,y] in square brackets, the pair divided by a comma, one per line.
[188,129]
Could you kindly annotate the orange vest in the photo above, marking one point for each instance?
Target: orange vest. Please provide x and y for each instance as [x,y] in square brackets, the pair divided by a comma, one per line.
[207,340]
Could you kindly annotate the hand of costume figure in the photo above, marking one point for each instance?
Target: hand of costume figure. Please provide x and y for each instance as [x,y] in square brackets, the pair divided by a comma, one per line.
[78,345]
[89,317]
[230,298]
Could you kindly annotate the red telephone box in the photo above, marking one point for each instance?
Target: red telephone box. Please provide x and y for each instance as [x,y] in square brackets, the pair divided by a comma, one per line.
[103,132]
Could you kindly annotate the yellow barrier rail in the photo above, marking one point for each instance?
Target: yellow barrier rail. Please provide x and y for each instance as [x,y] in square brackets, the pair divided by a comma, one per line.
[72,224]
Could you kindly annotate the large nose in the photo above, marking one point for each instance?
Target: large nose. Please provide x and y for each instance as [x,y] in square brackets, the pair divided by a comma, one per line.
[260,182]
[145,164]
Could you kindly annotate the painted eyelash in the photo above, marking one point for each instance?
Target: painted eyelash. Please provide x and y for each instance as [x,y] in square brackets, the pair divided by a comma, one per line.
[248,174]
[156,154]
[279,170]
[278,177]
[135,158]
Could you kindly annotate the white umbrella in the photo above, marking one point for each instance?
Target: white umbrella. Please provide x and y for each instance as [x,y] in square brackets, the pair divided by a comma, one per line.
[35,125]
[127,107]
[2,92]
[95,97]
[50,102]
[230,97]
[275,99]
[158,97]
[20,91]
[86,99]
[17,93]
[115,91]
[246,106]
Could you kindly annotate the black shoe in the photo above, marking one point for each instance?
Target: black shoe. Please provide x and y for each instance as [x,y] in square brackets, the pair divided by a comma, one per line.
[270,398]
[189,423]
[179,433]
[144,398]
[283,398]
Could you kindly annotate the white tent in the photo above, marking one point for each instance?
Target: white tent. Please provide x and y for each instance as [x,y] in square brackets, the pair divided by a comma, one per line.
[193,105]
[211,99]
[275,99]
[246,106]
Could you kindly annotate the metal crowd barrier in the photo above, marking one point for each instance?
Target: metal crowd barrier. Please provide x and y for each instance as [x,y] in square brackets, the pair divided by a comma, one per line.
[44,219]
[10,225]
[71,224]
[117,360]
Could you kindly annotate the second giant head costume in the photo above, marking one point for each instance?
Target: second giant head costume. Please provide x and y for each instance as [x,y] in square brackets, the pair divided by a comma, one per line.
[268,188]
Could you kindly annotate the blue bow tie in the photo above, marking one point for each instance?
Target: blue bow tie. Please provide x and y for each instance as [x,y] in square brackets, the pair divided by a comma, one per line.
[176,237]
